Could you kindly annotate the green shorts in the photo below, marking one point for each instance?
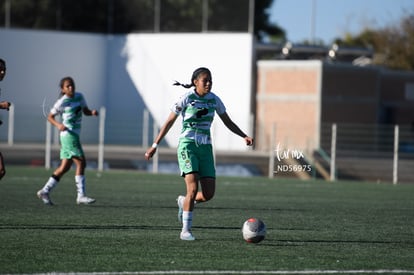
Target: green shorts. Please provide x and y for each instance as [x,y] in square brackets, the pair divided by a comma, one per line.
[70,146]
[194,158]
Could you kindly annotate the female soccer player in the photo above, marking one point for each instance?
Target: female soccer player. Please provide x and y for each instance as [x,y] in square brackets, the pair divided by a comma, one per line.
[3,105]
[70,106]
[195,153]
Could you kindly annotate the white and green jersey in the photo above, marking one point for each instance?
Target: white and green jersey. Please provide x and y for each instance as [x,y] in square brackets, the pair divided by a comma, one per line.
[70,109]
[198,114]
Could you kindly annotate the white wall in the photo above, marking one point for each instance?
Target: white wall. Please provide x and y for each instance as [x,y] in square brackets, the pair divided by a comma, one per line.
[36,61]
[156,61]
[125,74]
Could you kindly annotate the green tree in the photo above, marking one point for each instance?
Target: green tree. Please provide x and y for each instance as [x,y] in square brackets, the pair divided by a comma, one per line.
[181,16]
[393,45]
[262,26]
[29,14]
[125,16]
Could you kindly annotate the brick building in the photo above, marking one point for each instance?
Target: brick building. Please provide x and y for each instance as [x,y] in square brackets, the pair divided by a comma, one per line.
[296,98]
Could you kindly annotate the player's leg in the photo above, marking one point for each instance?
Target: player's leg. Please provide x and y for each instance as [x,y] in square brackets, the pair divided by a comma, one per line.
[64,166]
[191,182]
[189,167]
[51,183]
[192,195]
[81,198]
[207,173]
[66,153]
[2,167]
[208,188]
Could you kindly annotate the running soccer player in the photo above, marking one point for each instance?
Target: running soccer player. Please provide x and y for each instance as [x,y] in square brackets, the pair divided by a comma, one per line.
[70,106]
[195,153]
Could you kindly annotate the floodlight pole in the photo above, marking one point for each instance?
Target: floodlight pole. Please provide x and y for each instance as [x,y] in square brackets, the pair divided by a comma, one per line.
[157,16]
[313,18]
[110,19]
[204,13]
[7,12]
[251,17]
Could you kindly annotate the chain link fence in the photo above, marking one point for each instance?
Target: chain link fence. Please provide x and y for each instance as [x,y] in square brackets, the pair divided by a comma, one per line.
[382,153]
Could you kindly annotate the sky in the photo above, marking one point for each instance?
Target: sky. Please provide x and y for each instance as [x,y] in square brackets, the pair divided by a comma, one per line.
[328,19]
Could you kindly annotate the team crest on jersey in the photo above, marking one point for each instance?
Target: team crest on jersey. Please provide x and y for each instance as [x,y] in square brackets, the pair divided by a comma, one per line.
[178,108]
[187,164]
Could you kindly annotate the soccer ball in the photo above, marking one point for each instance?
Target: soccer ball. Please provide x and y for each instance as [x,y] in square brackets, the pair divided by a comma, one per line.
[254,230]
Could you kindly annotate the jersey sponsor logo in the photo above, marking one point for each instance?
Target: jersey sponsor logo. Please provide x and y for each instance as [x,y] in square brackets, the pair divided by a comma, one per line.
[202,112]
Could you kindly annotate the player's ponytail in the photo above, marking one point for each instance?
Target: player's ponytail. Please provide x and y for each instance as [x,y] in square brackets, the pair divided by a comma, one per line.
[195,75]
[176,83]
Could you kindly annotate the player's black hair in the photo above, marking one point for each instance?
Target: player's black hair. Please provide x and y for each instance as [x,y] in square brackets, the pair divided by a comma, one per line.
[3,64]
[195,75]
[63,80]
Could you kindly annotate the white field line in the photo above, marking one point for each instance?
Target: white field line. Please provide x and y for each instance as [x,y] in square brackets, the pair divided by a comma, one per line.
[196,272]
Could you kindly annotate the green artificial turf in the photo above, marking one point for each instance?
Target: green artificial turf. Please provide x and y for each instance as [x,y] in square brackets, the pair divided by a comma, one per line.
[133,227]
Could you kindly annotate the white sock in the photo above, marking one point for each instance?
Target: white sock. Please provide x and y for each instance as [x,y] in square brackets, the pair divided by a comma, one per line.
[50,184]
[187,221]
[181,201]
[80,185]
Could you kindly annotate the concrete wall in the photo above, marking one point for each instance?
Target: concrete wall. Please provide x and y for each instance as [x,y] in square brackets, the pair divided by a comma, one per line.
[288,103]
[36,61]
[350,94]
[397,94]
[126,74]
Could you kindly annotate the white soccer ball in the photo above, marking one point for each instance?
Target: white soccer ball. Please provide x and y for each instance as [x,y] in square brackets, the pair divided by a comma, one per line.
[254,230]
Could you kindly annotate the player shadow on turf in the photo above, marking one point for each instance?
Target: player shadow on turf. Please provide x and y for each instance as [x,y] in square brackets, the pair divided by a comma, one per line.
[89,227]
[255,208]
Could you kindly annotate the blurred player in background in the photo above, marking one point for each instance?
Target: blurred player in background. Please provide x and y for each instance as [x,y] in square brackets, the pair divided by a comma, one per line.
[195,153]
[70,107]
[3,105]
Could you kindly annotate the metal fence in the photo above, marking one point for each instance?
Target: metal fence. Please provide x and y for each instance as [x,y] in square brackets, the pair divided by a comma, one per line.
[382,153]
[368,152]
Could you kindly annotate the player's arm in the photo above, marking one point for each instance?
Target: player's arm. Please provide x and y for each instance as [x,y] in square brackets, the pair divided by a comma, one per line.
[5,105]
[234,128]
[51,118]
[163,131]
[89,112]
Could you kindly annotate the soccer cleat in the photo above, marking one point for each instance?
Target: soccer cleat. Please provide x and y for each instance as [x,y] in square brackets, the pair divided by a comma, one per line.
[187,236]
[84,200]
[180,202]
[44,197]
